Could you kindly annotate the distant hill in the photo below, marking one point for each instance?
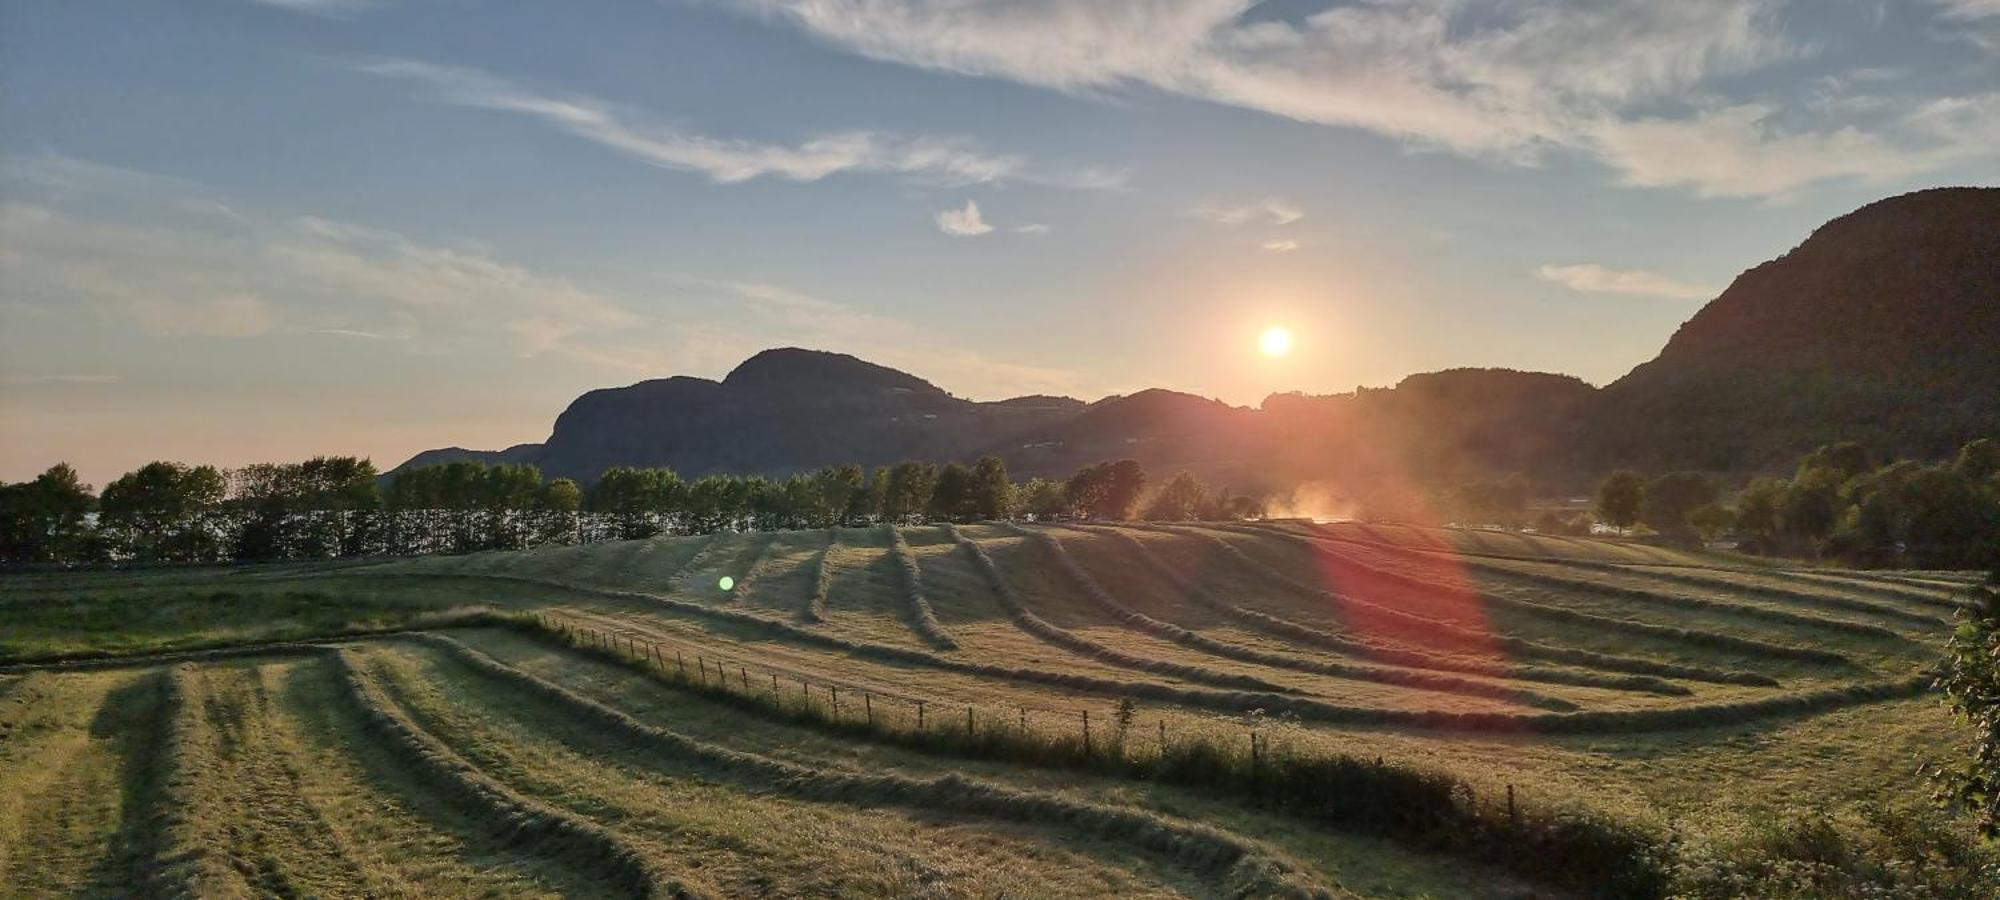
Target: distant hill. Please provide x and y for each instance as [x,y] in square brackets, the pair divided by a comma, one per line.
[1883,327]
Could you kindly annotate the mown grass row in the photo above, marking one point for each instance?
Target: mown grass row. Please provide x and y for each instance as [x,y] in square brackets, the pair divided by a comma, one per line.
[1626,592]
[1884,590]
[179,860]
[1244,867]
[1397,655]
[1426,808]
[1698,636]
[822,586]
[524,822]
[89,660]
[917,606]
[1168,631]
[747,580]
[1051,633]
[1768,591]
[1523,647]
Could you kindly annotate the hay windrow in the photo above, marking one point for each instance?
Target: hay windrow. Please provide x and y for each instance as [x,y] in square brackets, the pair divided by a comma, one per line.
[917,606]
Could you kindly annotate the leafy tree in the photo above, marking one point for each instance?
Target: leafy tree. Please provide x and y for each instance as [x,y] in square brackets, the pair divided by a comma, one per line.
[46,520]
[1182,499]
[1710,520]
[1979,460]
[992,493]
[1846,459]
[1811,504]
[1619,497]
[1971,683]
[1757,507]
[1669,499]
[1043,499]
[905,490]
[162,511]
[954,498]
[1106,490]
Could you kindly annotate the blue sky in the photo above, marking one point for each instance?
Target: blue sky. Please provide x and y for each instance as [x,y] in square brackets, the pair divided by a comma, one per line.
[239,230]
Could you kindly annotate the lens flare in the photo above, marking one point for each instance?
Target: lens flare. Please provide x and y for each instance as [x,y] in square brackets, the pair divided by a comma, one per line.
[726,584]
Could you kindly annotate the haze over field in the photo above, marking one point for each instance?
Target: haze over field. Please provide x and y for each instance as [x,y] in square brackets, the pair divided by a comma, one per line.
[237,231]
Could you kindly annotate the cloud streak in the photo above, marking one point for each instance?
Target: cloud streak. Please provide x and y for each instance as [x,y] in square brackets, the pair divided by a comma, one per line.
[1593,278]
[946,161]
[1628,84]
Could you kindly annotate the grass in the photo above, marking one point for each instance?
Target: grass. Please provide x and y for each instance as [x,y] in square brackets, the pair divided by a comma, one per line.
[1695,697]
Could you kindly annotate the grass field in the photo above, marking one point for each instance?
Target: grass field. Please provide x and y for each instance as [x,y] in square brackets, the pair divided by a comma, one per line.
[990,710]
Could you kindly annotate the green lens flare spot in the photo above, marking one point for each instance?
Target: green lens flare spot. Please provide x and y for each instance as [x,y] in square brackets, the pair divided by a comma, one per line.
[727,583]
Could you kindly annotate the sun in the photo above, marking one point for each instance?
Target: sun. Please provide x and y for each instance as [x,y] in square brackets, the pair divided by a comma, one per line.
[1276,341]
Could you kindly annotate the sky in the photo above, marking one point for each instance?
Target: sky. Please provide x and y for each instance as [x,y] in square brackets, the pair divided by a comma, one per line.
[259,230]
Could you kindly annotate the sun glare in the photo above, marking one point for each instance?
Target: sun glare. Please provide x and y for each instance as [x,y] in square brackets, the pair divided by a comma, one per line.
[1276,341]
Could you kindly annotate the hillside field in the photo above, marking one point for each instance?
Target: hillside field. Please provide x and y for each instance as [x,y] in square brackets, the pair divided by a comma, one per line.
[988,710]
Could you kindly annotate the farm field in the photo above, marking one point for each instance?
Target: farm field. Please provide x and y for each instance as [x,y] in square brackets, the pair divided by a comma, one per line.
[1270,709]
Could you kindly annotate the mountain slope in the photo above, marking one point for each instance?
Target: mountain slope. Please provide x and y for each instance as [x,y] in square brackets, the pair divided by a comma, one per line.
[1883,326]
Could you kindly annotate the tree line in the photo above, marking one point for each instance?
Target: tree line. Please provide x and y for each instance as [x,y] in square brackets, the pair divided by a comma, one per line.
[1840,503]
[336,506]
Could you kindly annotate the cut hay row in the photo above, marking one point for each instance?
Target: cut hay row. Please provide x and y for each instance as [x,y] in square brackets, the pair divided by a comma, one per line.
[1050,633]
[1642,596]
[1141,622]
[180,860]
[747,581]
[1381,652]
[1662,574]
[1518,646]
[83,662]
[695,561]
[529,824]
[1244,867]
[822,586]
[1930,598]
[1715,639]
[918,607]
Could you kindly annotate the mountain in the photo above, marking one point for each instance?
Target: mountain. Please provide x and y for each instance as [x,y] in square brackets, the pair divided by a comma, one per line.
[1882,327]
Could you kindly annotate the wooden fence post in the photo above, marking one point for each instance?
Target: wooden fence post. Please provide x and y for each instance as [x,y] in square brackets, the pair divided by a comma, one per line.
[833,693]
[868,701]
[774,687]
[1086,732]
[920,715]
[1163,737]
[1513,817]
[746,677]
[1024,720]
[968,720]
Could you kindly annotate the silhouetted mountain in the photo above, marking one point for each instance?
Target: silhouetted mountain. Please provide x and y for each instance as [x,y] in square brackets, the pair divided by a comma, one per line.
[1883,327]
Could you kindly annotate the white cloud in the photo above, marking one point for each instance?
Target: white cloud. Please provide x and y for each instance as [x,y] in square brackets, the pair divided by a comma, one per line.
[1622,82]
[1593,278]
[1032,228]
[1284,246]
[950,161]
[965,222]
[1270,210]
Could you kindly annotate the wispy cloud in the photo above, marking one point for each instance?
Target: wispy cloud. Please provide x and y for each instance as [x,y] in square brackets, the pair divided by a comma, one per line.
[33,379]
[1281,246]
[1268,211]
[1032,228]
[1627,83]
[965,222]
[948,161]
[1593,278]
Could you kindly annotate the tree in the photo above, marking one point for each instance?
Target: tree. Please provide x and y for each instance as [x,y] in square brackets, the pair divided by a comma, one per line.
[992,493]
[162,512]
[1757,507]
[46,520]
[1043,499]
[1971,682]
[1669,499]
[1619,497]
[952,498]
[1181,500]
[1845,459]
[1710,520]
[905,490]
[558,505]
[1811,504]
[1106,490]
[1979,460]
